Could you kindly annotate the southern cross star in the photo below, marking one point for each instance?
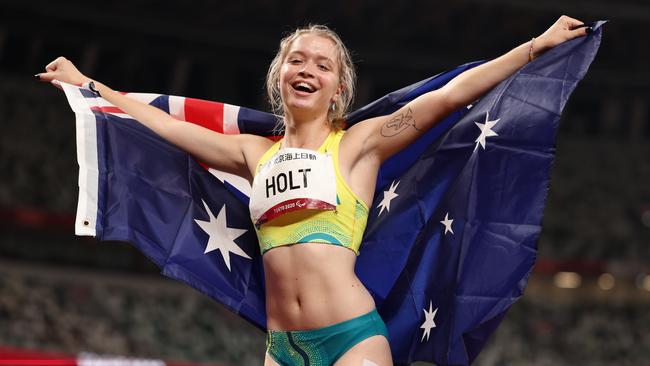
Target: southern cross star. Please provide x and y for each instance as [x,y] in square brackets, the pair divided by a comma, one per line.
[428,321]
[447,222]
[486,130]
[389,195]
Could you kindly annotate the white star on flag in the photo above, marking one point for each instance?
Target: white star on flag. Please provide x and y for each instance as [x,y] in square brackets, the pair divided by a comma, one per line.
[428,321]
[221,236]
[389,195]
[447,222]
[486,131]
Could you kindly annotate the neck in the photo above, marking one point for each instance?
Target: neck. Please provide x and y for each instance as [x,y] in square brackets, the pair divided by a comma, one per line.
[305,133]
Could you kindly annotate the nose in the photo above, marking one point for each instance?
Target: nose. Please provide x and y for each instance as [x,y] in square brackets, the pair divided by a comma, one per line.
[306,70]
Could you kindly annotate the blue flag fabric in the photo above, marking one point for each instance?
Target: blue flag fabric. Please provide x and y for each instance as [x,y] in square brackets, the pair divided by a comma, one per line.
[451,236]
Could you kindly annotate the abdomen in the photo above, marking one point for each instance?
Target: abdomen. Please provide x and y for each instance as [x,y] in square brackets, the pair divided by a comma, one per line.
[312,285]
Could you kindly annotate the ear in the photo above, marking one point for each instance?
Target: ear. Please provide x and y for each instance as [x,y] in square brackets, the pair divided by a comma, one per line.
[339,91]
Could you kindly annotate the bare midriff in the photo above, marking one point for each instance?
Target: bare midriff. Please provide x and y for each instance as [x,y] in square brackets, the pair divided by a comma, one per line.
[312,285]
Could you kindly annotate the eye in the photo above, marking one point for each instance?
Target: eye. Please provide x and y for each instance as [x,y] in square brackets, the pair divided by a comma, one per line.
[295,61]
[323,67]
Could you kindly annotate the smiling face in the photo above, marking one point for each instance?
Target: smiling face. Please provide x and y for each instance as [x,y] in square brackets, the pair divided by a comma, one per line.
[316,48]
[309,76]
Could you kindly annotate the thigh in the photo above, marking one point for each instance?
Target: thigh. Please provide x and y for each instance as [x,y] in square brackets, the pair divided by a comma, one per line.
[372,351]
[269,361]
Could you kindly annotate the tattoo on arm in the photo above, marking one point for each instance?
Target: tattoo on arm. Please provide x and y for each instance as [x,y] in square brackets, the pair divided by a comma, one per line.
[399,123]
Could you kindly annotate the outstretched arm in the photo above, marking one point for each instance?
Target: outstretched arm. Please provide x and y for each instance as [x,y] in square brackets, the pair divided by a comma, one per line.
[384,136]
[230,153]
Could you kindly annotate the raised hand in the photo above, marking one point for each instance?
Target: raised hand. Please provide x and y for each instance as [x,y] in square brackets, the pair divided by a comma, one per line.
[64,70]
[564,29]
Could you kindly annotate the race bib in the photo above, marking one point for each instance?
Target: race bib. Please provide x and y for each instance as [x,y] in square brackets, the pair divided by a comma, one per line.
[293,179]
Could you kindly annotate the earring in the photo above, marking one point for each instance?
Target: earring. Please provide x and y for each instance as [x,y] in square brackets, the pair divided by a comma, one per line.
[333,106]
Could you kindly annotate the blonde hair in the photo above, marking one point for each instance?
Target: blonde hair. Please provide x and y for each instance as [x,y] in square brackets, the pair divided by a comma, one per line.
[347,75]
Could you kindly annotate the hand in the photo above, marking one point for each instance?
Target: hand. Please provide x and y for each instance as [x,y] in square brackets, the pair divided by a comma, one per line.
[64,70]
[564,29]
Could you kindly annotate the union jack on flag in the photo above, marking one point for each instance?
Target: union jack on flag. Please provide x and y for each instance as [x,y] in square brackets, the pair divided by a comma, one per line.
[452,232]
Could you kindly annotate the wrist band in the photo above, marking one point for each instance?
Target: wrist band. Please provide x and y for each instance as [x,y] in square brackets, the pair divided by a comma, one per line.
[530,50]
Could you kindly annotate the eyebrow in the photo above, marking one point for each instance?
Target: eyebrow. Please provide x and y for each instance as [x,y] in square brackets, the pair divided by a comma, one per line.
[318,57]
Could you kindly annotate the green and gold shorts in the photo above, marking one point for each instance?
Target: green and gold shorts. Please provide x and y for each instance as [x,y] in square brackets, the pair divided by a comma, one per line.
[322,346]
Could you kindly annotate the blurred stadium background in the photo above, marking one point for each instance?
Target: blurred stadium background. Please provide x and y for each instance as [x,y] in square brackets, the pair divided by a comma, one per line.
[587,302]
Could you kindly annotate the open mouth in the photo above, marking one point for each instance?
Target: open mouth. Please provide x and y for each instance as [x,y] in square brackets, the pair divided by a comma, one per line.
[303,87]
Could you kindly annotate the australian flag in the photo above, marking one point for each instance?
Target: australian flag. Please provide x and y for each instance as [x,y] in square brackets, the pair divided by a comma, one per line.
[451,237]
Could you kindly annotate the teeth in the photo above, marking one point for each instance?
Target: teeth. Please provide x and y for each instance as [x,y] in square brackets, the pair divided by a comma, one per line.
[303,85]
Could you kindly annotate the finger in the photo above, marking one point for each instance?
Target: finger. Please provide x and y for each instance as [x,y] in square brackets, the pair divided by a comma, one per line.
[571,22]
[581,30]
[582,25]
[52,66]
[47,76]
